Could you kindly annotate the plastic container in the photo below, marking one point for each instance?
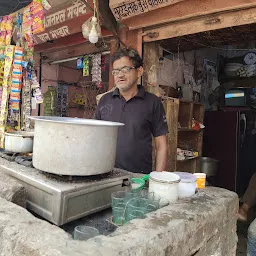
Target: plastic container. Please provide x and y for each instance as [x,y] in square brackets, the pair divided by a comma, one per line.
[187,185]
[85,232]
[165,185]
[201,180]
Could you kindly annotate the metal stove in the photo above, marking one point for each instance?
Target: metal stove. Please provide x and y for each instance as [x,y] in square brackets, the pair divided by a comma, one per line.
[61,199]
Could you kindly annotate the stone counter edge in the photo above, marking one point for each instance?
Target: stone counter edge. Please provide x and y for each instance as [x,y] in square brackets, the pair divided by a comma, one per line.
[204,225]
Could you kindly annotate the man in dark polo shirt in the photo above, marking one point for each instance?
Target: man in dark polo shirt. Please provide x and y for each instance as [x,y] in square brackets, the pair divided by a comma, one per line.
[141,112]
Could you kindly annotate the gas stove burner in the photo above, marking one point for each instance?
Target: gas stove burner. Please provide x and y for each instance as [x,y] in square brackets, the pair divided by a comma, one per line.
[19,158]
[24,160]
[10,156]
[68,178]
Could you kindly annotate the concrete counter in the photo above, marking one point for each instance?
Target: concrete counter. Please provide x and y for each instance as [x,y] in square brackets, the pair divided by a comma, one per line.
[202,226]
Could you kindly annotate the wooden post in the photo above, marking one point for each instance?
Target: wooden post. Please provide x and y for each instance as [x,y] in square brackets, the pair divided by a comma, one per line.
[172,113]
[151,66]
[113,48]
[152,53]
[131,39]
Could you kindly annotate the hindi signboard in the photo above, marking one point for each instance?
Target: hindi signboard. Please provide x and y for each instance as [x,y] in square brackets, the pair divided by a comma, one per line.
[64,22]
[129,8]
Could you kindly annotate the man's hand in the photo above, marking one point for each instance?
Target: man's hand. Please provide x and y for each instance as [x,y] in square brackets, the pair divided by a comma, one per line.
[161,153]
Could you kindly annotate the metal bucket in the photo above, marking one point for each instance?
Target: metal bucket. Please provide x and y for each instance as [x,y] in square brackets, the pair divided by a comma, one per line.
[209,166]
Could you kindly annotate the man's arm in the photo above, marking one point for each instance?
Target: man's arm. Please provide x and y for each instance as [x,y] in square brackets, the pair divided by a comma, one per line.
[159,131]
[161,153]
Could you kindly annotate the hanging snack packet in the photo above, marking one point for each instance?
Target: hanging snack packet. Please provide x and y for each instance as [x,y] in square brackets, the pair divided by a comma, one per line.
[15,95]
[27,24]
[27,14]
[9,23]
[3,23]
[8,37]
[15,105]
[2,50]
[37,92]
[86,66]
[2,38]
[39,99]
[79,63]
[38,18]
[18,54]
[46,5]
[16,86]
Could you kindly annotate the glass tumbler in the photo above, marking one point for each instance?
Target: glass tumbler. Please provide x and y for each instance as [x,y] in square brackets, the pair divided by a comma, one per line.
[118,198]
[153,203]
[118,213]
[85,232]
[136,208]
[131,195]
[144,193]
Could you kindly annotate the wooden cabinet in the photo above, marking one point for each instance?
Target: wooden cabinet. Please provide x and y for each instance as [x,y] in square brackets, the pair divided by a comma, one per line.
[179,116]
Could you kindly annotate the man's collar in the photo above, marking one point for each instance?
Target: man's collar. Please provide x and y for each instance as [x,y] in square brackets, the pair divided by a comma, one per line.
[141,92]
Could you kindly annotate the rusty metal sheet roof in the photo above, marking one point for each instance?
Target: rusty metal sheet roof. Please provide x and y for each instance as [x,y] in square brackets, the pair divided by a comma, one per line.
[10,6]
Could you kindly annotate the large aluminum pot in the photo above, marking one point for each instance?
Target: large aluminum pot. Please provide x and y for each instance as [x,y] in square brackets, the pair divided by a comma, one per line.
[19,141]
[74,146]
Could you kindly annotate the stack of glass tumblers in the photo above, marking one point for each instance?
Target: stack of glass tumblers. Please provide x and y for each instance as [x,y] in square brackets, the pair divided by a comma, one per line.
[127,206]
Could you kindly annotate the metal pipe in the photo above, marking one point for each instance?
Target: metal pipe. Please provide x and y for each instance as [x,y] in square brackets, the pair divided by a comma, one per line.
[73,58]
[40,80]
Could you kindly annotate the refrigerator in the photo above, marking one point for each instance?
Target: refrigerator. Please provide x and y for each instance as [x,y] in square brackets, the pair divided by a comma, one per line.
[230,137]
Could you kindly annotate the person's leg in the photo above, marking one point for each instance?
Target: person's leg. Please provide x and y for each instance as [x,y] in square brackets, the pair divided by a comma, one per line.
[251,243]
[249,199]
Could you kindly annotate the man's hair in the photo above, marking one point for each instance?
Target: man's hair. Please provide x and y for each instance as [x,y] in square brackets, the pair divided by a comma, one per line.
[132,54]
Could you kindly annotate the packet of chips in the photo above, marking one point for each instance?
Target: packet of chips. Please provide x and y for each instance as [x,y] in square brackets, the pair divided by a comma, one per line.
[15,95]
[2,38]
[46,5]
[8,37]
[15,105]
[38,22]
[9,23]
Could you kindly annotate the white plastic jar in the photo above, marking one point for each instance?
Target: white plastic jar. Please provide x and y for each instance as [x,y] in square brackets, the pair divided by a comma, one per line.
[165,185]
[187,185]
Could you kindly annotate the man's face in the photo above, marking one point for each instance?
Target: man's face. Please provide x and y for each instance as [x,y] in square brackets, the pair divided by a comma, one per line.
[127,78]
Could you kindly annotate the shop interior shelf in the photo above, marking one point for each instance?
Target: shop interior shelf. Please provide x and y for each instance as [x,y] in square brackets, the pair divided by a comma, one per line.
[184,129]
[185,114]
[188,158]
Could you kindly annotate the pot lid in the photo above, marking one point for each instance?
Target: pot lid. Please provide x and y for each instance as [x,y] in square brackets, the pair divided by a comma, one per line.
[165,176]
[76,121]
[186,176]
[20,133]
